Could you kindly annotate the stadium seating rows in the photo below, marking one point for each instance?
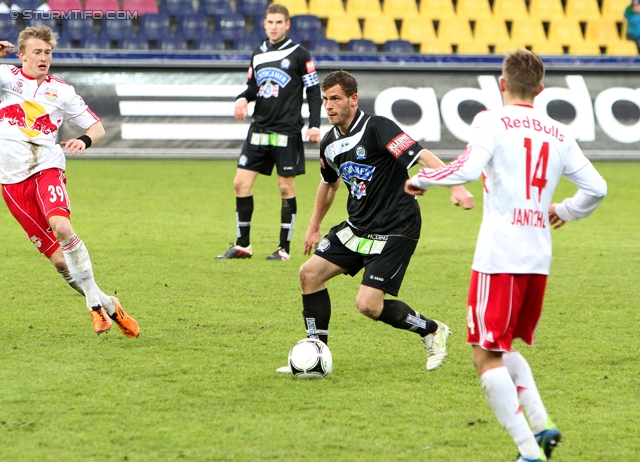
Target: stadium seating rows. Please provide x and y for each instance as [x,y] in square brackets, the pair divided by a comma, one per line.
[360,26]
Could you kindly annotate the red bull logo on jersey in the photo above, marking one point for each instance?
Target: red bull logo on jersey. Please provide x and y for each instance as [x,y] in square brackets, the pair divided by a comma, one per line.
[50,94]
[36,241]
[30,117]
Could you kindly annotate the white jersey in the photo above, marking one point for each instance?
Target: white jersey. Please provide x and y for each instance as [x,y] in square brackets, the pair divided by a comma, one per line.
[522,154]
[30,116]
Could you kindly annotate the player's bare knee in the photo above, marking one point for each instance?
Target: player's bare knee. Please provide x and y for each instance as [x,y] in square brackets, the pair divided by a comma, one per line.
[365,307]
[240,187]
[307,277]
[61,229]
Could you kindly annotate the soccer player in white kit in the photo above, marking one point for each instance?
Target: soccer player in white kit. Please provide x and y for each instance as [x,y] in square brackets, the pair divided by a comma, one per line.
[33,106]
[521,154]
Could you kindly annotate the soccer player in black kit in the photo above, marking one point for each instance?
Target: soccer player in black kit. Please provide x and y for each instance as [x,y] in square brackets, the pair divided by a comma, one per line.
[371,155]
[280,70]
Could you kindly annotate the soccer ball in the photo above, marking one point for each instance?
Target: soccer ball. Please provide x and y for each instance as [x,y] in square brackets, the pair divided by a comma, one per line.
[310,358]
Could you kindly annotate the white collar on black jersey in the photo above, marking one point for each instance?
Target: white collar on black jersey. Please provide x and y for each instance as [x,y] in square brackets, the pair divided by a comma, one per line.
[271,56]
[356,120]
[275,46]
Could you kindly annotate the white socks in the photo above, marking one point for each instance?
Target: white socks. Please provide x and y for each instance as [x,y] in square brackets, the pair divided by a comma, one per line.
[502,396]
[528,394]
[79,264]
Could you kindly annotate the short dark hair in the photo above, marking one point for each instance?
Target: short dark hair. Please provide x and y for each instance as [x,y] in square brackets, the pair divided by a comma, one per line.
[523,73]
[346,81]
[276,8]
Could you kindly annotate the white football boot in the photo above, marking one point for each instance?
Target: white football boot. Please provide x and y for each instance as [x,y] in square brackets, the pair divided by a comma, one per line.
[436,345]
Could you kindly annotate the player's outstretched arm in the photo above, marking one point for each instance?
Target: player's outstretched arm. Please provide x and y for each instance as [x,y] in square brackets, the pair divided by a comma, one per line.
[6,48]
[460,196]
[78,145]
[324,199]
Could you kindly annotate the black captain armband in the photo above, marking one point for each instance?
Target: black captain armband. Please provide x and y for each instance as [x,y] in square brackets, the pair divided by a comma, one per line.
[86,139]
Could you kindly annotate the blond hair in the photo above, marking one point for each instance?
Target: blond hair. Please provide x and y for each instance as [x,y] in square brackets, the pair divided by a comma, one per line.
[43,33]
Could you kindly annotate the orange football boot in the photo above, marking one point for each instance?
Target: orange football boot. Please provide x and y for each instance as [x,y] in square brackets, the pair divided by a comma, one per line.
[126,323]
[101,321]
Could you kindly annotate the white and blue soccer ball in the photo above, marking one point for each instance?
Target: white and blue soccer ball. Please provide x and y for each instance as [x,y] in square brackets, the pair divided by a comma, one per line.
[310,358]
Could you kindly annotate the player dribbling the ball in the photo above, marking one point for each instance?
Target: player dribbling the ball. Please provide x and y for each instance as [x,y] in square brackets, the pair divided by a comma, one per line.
[371,155]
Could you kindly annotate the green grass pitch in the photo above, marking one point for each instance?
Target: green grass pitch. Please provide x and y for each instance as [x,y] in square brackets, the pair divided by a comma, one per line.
[200,382]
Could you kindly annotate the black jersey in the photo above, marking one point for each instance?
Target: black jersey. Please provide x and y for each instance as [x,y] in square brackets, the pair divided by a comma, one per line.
[277,75]
[372,158]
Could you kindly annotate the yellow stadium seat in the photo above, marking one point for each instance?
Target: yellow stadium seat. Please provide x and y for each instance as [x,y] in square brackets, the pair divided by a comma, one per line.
[548,48]
[509,10]
[380,29]
[565,31]
[435,47]
[343,28]
[584,48]
[472,48]
[473,9]
[417,31]
[602,31]
[400,9]
[582,10]
[295,7]
[437,9]
[546,10]
[614,9]
[527,31]
[363,8]
[454,30]
[506,47]
[622,48]
[491,30]
[326,8]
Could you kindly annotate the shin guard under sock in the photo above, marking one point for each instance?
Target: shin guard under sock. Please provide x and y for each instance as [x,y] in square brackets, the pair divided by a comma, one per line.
[287,221]
[80,269]
[244,210]
[316,312]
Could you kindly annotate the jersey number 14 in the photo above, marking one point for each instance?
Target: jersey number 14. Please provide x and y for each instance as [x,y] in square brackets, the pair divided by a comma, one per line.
[539,177]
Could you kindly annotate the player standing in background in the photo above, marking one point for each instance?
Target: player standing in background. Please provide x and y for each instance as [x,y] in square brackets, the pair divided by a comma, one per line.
[521,154]
[371,154]
[279,71]
[34,105]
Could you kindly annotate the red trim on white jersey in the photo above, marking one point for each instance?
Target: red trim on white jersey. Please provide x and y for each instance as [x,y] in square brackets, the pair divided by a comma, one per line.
[56,79]
[444,172]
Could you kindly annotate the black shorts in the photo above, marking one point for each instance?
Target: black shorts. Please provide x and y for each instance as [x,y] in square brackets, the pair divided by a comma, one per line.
[262,150]
[384,257]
